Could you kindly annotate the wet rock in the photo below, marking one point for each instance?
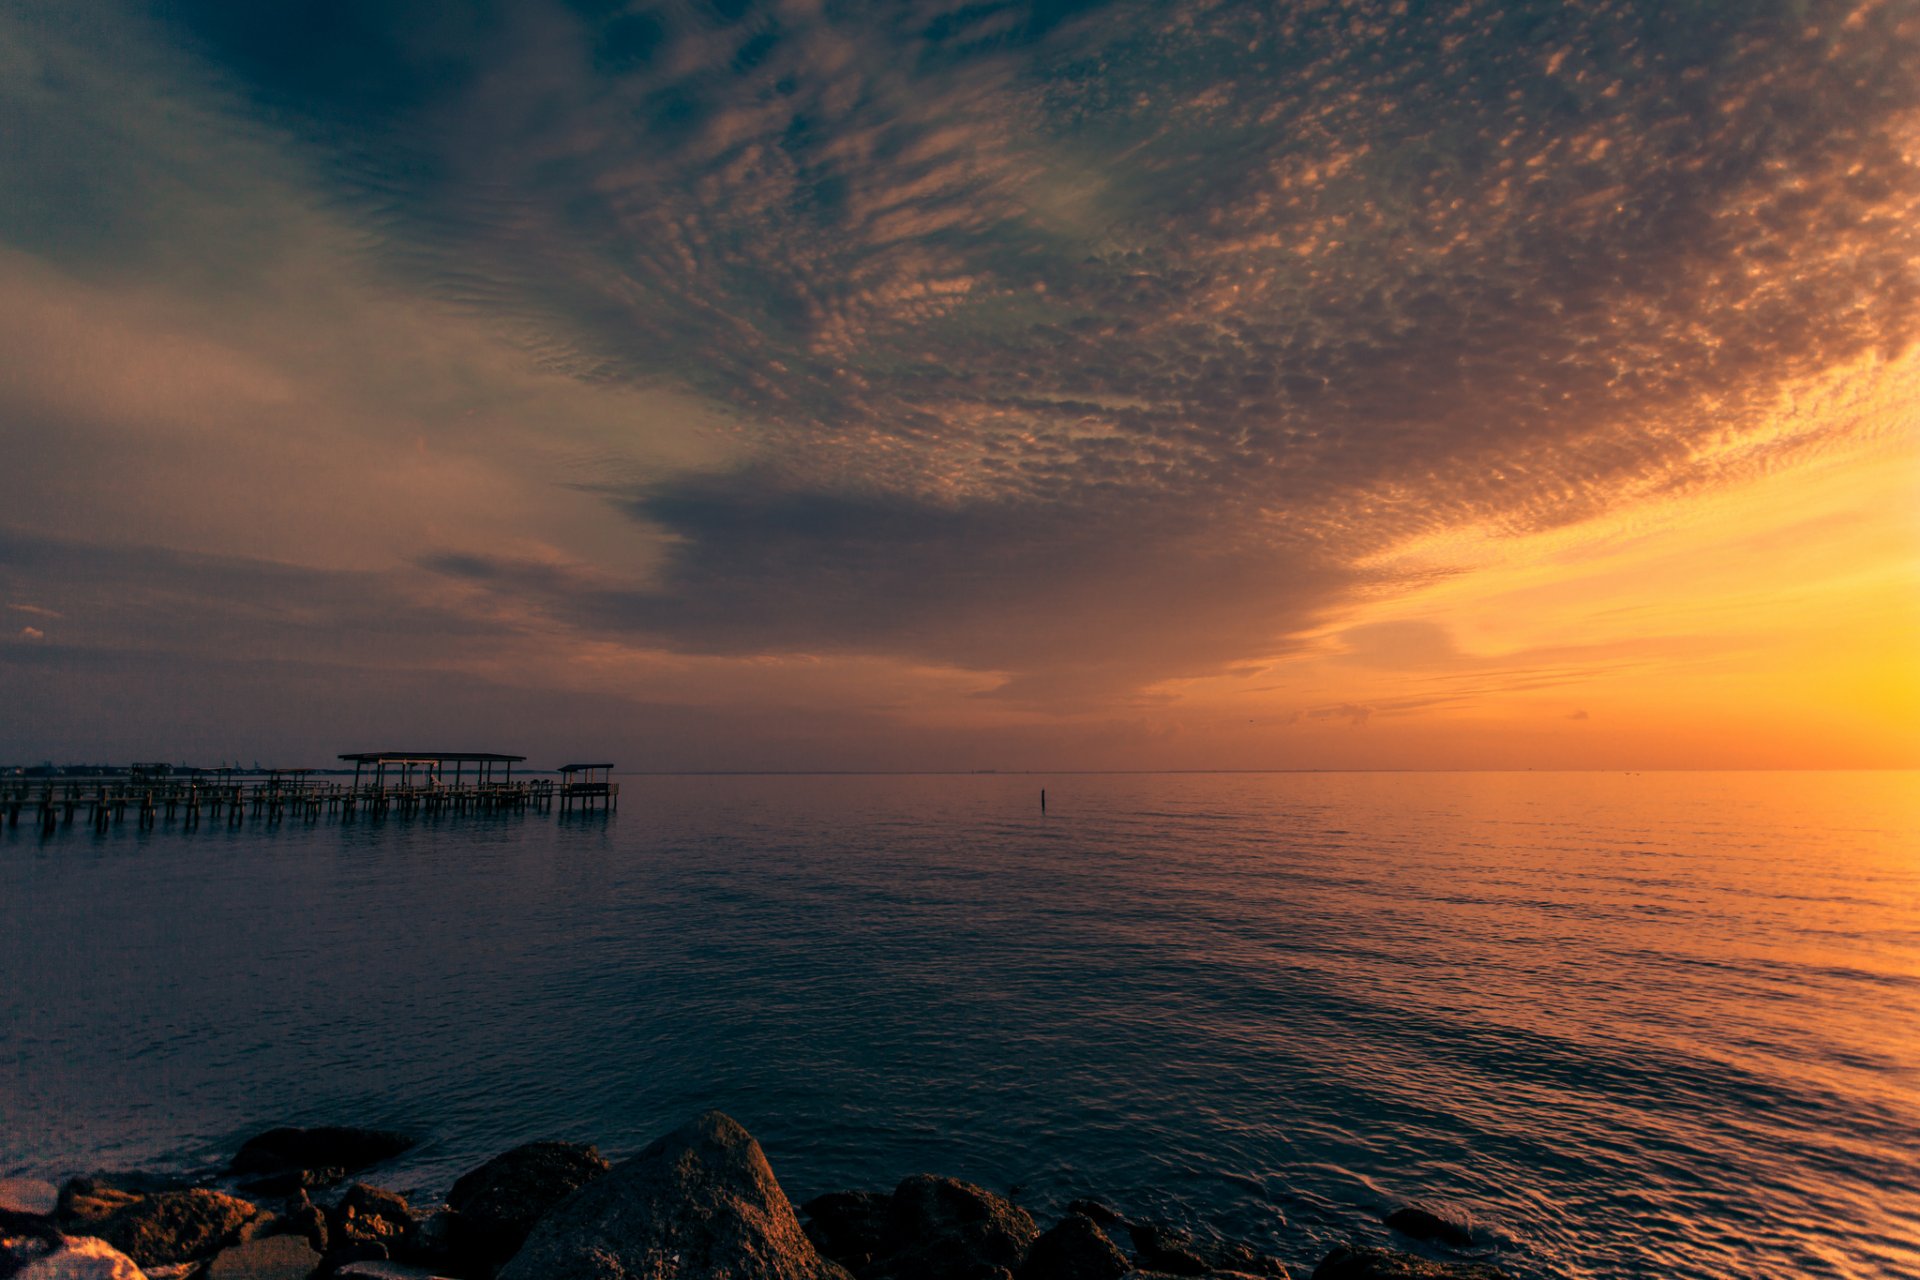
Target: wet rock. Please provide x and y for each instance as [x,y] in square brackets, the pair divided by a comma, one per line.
[158,1229]
[290,1182]
[385,1271]
[28,1198]
[436,1243]
[1073,1249]
[67,1258]
[307,1222]
[18,1250]
[85,1202]
[1355,1263]
[1445,1223]
[945,1229]
[346,1253]
[1099,1210]
[1172,1251]
[367,1213]
[1166,1249]
[1238,1259]
[699,1202]
[498,1203]
[326,1147]
[268,1258]
[848,1226]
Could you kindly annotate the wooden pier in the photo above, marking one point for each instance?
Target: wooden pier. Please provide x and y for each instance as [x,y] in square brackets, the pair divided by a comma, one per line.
[385,784]
[588,786]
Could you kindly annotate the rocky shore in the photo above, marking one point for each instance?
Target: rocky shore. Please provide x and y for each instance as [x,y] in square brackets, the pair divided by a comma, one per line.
[700,1203]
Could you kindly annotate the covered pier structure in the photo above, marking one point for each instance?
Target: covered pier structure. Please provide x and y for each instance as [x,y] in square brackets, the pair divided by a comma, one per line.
[588,786]
[441,781]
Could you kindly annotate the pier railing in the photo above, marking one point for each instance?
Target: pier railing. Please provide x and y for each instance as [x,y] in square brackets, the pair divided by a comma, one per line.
[100,802]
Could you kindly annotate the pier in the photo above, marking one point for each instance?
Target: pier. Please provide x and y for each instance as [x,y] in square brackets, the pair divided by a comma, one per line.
[400,784]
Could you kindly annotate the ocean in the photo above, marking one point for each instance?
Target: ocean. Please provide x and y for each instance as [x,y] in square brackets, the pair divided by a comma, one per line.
[1638,1024]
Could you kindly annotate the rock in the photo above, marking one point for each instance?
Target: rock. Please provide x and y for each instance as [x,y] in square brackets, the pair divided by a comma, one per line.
[268,1258]
[499,1202]
[290,1182]
[945,1229]
[354,1251]
[436,1243]
[1073,1249]
[1357,1263]
[1168,1249]
[327,1147]
[84,1202]
[305,1222]
[1171,1251]
[1238,1259]
[1445,1223]
[371,1213]
[385,1271]
[156,1229]
[1099,1210]
[28,1198]
[848,1226]
[78,1258]
[700,1202]
[18,1250]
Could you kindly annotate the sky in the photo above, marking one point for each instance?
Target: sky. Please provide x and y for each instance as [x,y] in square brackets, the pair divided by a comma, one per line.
[813,385]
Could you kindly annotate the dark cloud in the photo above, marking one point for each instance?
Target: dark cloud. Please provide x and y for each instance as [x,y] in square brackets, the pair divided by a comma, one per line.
[1096,344]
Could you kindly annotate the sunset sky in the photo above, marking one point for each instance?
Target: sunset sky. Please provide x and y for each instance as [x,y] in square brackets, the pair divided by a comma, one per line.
[918,385]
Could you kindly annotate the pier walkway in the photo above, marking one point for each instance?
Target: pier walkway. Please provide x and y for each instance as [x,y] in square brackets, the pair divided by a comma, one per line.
[396,784]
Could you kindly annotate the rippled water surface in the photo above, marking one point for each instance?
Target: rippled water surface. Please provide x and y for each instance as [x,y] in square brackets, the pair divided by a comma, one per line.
[1642,1025]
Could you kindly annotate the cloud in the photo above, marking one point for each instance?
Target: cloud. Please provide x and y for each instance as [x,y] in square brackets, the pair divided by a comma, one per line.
[1082,347]
[1355,714]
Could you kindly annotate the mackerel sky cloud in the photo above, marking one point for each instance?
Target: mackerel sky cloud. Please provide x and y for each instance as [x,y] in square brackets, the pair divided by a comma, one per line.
[945,384]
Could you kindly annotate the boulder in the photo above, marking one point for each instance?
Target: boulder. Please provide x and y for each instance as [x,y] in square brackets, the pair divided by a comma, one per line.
[385,1271]
[945,1229]
[344,1253]
[1238,1259]
[86,1201]
[306,1221]
[1353,1262]
[1166,1249]
[435,1244]
[28,1198]
[289,1183]
[697,1204]
[68,1258]
[267,1258]
[367,1213]
[498,1203]
[1099,1210]
[1172,1251]
[1445,1223]
[1073,1249]
[848,1226]
[158,1229]
[327,1147]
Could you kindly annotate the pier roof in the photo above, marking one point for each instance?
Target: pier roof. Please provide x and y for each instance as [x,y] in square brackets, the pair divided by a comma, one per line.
[580,768]
[419,757]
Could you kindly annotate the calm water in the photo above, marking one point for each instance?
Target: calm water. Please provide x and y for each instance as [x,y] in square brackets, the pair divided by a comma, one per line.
[1644,1025]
